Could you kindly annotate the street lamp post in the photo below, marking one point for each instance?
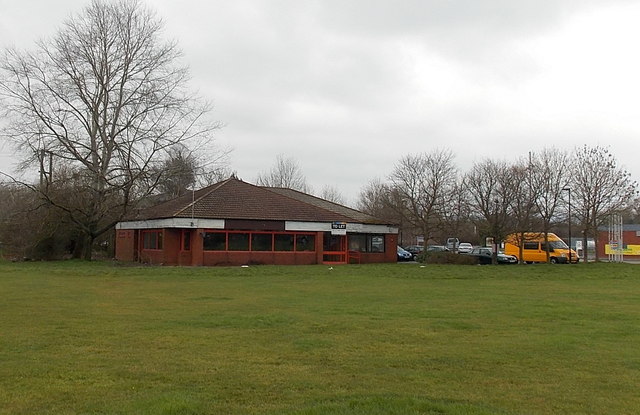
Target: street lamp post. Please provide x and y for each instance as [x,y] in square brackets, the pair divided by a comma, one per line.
[568,189]
[495,232]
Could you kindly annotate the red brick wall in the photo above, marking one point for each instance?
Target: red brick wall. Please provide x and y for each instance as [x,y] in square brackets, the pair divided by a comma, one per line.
[171,254]
[628,238]
[125,245]
[259,258]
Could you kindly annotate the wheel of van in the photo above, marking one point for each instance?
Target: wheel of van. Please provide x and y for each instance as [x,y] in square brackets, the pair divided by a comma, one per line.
[553,260]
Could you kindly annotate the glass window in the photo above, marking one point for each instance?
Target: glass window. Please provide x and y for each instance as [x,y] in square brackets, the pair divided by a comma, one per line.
[558,245]
[283,242]
[376,243]
[152,240]
[305,242]
[238,242]
[358,243]
[215,241]
[531,245]
[261,241]
[366,243]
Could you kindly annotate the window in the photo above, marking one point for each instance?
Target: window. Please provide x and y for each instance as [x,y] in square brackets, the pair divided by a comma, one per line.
[261,242]
[152,240]
[283,242]
[185,245]
[558,245]
[531,245]
[366,243]
[376,243]
[305,243]
[358,243]
[215,241]
[258,241]
[238,242]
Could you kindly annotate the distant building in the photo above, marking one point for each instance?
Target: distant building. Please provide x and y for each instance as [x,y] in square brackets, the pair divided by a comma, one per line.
[237,223]
[629,248]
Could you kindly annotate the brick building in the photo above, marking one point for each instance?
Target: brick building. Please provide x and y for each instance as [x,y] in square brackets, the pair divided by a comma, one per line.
[630,248]
[236,223]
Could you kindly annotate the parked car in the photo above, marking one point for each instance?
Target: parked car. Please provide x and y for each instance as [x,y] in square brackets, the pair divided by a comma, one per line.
[415,250]
[484,256]
[404,255]
[437,248]
[465,248]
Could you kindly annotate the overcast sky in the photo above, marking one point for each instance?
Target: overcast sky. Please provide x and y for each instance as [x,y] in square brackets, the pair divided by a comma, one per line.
[349,87]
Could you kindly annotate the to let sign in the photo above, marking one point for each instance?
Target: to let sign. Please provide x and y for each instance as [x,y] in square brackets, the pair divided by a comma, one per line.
[338,228]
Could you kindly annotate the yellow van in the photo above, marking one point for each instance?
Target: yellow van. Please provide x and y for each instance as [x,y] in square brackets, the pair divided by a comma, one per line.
[535,249]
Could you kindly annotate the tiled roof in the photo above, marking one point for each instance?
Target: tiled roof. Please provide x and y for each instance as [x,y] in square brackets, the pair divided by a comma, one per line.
[355,215]
[235,199]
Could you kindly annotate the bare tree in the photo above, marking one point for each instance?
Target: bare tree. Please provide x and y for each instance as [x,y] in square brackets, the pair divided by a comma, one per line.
[549,174]
[332,194]
[457,213]
[489,184]
[381,200]
[424,183]
[523,203]
[371,199]
[599,187]
[105,98]
[285,173]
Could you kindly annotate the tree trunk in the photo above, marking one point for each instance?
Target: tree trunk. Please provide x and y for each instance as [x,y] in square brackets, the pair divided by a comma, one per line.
[87,247]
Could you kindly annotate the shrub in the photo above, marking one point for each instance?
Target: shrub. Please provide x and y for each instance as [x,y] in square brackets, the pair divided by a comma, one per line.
[446,258]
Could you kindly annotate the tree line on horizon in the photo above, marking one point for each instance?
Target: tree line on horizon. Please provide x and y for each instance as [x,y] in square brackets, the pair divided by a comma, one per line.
[428,196]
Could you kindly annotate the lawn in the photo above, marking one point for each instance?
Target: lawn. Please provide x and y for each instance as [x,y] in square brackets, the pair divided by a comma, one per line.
[100,338]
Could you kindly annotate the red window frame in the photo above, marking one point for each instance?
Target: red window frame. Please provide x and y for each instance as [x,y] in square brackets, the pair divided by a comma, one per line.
[273,241]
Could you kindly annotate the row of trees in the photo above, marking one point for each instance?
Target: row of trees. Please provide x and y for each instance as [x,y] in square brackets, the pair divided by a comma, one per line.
[427,195]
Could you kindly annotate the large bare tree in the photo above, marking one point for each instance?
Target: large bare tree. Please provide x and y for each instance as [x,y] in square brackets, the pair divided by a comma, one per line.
[491,192]
[103,100]
[599,187]
[549,174]
[523,204]
[425,182]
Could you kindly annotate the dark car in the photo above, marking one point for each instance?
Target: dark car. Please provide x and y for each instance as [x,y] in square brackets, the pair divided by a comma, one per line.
[485,255]
[437,248]
[404,255]
[415,249]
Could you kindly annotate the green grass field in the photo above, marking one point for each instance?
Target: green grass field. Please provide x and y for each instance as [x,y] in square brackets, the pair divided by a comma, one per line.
[98,338]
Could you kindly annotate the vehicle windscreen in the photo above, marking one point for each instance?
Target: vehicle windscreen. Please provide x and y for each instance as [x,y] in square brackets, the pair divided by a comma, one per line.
[558,245]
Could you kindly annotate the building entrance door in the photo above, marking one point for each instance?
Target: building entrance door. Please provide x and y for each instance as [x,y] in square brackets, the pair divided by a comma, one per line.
[334,249]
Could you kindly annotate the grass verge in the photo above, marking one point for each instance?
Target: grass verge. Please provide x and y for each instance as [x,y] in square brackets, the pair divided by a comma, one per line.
[98,338]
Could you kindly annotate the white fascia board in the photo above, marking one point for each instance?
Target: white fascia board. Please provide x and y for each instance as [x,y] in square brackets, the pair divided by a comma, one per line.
[368,228]
[172,223]
[326,227]
[307,226]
